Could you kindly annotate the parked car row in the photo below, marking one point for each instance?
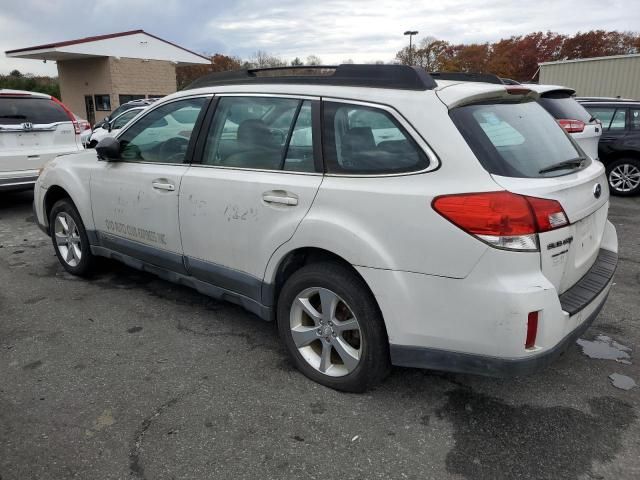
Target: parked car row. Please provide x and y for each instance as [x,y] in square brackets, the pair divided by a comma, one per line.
[356,210]
[34,128]
[619,146]
[618,119]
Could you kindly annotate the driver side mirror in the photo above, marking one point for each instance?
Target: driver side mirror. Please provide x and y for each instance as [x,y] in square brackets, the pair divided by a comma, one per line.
[108,149]
[110,126]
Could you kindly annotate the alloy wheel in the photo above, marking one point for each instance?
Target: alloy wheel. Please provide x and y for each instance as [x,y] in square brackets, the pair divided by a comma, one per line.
[326,332]
[68,239]
[624,177]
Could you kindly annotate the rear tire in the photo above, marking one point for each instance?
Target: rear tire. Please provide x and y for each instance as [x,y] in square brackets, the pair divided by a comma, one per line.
[623,176]
[343,345]
[69,238]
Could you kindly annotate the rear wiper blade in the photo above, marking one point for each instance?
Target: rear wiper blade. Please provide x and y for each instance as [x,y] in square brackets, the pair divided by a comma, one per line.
[574,162]
[12,116]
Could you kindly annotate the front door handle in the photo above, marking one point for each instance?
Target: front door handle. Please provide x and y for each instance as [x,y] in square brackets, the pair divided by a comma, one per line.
[281,197]
[163,184]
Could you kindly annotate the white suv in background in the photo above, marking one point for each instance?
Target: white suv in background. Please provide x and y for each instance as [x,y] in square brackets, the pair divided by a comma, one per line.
[378,215]
[34,128]
[560,102]
[112,127]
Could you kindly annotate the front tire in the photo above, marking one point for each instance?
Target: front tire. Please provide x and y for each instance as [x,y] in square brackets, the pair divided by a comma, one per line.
[332,328]
[624,177]
[70,240]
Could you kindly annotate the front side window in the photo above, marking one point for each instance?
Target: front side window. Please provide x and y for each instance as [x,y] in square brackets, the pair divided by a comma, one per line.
[515,139]
[253,132]
[619,120]
[123,119]
[612,118]
[365,140]
[163,134]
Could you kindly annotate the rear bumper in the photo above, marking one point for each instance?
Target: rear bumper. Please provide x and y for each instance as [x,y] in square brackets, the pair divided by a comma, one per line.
[434,359]
[581,304]
[18,180]
[478,324]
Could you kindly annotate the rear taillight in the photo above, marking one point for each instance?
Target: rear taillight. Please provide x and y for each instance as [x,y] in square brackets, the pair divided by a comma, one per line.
[532,330]
[502,219]
[71,116]
[571,126]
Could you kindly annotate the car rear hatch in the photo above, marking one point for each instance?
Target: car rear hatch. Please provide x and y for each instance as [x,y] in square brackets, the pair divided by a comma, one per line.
[34,129]
[528,154]
[567,253]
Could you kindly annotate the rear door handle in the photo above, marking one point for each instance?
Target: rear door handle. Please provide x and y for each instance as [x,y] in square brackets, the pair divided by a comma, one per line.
[281,197]
[163,184]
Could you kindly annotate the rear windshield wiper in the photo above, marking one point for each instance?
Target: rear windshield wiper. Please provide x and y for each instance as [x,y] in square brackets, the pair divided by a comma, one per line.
[12,116]
[574,162]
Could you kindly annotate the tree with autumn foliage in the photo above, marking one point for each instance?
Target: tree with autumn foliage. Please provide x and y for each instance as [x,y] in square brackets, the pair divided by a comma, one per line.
[518,57]
[219,63]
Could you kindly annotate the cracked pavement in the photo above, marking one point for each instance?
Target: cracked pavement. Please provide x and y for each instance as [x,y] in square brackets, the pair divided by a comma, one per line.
[128,376]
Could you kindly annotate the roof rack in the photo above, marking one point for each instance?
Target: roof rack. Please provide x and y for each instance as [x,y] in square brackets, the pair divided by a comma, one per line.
[467,77]
[401,77]
[605,99]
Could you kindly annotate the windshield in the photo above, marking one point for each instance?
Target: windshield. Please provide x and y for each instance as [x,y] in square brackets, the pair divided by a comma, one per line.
[515,139]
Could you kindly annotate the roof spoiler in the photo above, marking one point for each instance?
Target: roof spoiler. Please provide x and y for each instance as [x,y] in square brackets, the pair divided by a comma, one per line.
[401,77]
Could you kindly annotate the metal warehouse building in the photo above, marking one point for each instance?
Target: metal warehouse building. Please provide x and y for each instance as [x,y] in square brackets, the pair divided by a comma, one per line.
[615,76]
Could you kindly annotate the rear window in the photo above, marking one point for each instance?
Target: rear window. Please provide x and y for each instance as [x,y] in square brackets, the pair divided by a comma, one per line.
[515,139]
[14,111]
[562,105]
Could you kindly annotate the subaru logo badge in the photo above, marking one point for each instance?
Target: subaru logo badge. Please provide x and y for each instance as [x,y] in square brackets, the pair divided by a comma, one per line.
[27,126]
[597,190]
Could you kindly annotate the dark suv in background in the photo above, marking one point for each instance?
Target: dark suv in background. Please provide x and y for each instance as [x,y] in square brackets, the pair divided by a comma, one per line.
[619,147]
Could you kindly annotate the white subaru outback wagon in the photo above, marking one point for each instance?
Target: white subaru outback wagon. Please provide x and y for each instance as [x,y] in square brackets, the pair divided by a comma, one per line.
[378,215]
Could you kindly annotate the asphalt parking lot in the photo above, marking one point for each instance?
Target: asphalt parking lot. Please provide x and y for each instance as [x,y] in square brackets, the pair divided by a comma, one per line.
[128,376]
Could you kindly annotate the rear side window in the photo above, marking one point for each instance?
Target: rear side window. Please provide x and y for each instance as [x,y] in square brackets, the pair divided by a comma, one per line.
[15,111]
[365,140]
[514,139]
[562,106]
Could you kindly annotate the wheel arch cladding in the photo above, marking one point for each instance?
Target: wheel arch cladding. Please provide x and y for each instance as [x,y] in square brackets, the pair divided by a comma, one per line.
[294,261]
[53,195]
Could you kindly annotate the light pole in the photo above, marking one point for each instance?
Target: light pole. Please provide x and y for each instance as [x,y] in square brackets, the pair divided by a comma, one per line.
[411,33]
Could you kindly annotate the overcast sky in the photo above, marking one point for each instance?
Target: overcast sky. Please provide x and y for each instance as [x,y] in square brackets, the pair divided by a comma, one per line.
[335,30]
